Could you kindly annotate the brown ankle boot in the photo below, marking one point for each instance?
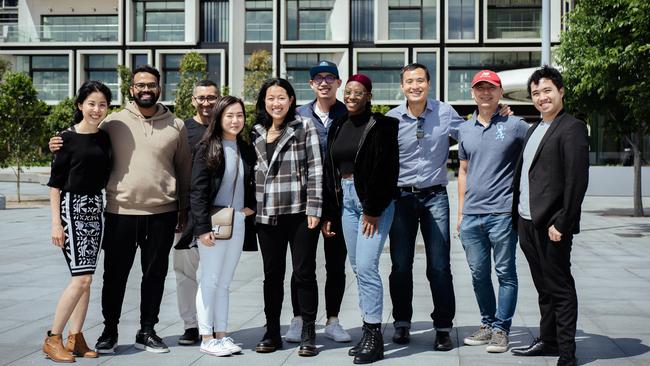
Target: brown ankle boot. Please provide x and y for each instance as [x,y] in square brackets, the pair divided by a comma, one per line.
[77,345]
[53,349]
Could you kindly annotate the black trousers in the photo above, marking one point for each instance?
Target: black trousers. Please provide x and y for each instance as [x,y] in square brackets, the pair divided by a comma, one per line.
[154,234]
[335,256]
[273,239]
[550,267]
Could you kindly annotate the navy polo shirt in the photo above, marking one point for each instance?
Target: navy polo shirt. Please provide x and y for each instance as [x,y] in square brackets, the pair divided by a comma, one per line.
[491,153]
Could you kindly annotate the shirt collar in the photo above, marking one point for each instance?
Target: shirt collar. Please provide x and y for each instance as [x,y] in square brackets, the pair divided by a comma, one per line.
[404,111]
[492,119]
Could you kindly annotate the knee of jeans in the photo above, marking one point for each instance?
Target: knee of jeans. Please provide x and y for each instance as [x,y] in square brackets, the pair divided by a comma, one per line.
[507,277]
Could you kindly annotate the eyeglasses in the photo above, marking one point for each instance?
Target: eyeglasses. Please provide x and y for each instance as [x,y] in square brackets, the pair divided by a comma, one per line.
[203,99]
[143,86]
[349,93]
[327,78]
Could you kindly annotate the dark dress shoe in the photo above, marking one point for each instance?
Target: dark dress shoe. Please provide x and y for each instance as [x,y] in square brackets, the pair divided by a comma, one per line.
[308,340]
[372,348]
[269,344]
[567,360]
[537,348]
[401,335]
[443,342]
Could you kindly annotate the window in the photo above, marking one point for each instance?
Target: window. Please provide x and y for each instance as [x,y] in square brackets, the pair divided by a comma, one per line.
[461,19]
[412,19]
[171,74]
[464,65]
[138,59]
[362,20]
[49,74]
[429,60]
[383,69]
[514,19]
[215,21]
[259,21]
[309,19]
[103,68]
[298,65]
[159,20]
[79,28]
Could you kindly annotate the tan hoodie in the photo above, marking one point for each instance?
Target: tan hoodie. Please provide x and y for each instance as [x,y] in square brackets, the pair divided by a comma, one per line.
[151,162]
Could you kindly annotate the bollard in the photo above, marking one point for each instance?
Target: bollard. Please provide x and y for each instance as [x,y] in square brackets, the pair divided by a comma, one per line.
[3,202]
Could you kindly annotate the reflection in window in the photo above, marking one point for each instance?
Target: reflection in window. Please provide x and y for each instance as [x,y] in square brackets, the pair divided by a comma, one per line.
[79,28]
[514,19]
[464,65]
[259,21]
[215,21]
[49,74]
[103,68]
[362,20]
[309,19]
[383,69]
[171,74]
[138,59]
[298,65]
[159,20]
[461,19]
[412,19]
[428,59]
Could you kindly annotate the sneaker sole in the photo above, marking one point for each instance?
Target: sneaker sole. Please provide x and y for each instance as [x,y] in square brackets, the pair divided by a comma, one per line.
[496,349]
[151,349]
[292,340]
[218,354]
[340,340]
[472,342]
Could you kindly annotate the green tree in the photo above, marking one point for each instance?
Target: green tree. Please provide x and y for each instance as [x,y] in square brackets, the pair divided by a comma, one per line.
[60,117]
[605,55]
[258,70]
[5,65]
[22,126]
[125,83]
[193,68]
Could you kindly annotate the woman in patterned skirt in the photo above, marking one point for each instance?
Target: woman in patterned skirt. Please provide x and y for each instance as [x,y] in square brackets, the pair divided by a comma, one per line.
[79,172]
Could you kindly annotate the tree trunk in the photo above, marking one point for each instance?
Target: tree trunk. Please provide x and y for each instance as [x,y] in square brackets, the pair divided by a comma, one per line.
[18,179]
[638,201]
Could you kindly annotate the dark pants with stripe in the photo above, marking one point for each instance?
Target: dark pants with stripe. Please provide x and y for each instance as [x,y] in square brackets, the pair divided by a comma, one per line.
[550,267]
[154,234]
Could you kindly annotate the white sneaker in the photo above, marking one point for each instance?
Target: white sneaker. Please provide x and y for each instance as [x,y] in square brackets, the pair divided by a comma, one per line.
[334,331]
[293,335]
[214,347]
[230,345]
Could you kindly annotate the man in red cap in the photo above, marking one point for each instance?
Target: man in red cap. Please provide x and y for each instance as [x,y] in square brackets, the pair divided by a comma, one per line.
[488,147]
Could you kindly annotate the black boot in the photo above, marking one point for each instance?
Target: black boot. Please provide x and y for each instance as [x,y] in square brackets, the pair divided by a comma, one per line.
[308,340]
[372,348]
[353,351]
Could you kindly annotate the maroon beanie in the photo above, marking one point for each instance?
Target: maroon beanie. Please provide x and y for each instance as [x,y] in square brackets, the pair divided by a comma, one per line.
[363,79]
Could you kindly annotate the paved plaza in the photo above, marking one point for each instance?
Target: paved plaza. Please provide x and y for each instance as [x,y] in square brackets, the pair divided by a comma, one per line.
[611,266]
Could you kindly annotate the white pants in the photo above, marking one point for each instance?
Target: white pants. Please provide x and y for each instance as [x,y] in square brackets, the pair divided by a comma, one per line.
[218,264]
[186,262]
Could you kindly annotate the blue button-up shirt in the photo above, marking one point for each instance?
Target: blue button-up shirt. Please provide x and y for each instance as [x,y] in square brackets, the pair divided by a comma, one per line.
[423,161]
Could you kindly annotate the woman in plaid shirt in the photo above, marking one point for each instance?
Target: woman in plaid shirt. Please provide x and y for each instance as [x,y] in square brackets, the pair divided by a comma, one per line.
[288,177]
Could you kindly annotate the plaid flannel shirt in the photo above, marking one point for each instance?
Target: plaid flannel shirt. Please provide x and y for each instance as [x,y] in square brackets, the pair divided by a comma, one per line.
[292,182]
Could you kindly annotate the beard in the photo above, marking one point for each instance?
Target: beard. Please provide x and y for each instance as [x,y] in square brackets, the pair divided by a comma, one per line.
[145,103]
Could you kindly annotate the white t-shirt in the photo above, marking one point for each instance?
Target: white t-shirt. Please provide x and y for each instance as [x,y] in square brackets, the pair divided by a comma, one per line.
[324,117]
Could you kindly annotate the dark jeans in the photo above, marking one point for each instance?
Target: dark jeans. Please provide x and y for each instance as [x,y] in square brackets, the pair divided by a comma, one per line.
[431,212]
[273,239]
[335,255]
[154,234]
[550,267]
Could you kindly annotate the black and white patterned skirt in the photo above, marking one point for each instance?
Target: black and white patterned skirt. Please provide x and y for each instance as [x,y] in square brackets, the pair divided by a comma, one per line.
[81,216]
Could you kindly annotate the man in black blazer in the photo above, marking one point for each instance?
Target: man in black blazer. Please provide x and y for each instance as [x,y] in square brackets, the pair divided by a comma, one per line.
[549,185]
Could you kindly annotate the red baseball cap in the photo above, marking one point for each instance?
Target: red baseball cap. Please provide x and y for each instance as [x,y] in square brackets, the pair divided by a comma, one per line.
[487,76]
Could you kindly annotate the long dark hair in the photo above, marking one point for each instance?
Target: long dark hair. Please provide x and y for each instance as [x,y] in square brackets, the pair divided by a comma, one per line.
[84,91]
[213,152]
[262,117]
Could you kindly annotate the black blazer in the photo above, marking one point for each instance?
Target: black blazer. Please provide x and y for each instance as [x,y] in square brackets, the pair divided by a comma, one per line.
[204,188]
[376,167]
[558,176]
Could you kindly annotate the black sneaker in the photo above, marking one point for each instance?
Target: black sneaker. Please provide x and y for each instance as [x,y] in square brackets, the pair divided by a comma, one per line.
[106,343]
[149,341]
[190,337]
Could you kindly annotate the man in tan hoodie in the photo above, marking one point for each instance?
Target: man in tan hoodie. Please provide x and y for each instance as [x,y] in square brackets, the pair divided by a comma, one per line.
[146,201]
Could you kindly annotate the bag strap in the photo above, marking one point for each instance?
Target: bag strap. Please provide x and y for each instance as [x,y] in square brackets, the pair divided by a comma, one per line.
[234,186]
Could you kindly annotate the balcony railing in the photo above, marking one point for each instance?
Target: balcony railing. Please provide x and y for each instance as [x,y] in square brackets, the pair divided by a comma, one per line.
[60,33]
[164,32]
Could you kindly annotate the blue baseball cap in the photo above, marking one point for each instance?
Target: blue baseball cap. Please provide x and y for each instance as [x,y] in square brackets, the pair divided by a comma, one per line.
[324,66]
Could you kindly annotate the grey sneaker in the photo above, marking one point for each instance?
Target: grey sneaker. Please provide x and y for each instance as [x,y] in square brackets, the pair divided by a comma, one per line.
[293,335]
[498,342]
[483,335]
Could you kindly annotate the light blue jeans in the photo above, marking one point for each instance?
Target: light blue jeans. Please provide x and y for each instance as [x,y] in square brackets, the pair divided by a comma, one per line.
[480,235]
[364,252]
